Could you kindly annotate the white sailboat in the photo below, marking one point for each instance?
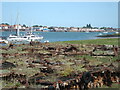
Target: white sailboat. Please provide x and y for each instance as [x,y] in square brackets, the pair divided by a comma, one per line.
[105,32]
[116,32]
[3,41]
[100,34]
[27,37]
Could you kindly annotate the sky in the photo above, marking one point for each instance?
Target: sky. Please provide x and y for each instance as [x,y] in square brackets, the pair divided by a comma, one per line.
[66,14]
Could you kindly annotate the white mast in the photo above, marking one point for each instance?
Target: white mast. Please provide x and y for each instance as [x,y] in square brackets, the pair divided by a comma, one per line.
[18,31]
[31,29]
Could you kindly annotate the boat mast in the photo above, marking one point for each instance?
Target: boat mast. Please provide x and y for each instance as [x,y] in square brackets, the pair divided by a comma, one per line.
[18,31]
[31,30]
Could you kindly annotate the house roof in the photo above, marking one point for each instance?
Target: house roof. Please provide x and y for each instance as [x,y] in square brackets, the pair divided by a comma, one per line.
[2,25]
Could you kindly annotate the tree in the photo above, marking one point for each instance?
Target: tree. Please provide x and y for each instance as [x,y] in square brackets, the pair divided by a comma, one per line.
[87,25]
[90,26]
[35,26]
[95,27]
[5,24]
[84,26]
[40,26]
[24,25]
[51,28]
[103,28]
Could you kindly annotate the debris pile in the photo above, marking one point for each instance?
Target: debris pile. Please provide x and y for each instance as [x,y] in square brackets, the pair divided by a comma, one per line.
[60,66]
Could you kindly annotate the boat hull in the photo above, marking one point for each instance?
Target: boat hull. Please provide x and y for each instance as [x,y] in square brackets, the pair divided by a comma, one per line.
[25,38]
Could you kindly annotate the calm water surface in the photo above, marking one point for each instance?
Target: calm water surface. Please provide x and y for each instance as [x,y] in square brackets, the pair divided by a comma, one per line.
[60,36]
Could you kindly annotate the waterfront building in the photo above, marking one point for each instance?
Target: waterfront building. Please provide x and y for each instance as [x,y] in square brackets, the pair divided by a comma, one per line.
[17,26]
[3,26]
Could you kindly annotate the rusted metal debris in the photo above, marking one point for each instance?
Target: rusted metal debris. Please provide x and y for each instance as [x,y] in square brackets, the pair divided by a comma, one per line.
[98,75]
[12,76]
[46,70]
[69,50]
[96,79]
[6,65]
[80,81]
[106,51]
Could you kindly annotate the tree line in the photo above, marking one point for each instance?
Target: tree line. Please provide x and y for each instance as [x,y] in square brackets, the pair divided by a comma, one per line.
[87,26]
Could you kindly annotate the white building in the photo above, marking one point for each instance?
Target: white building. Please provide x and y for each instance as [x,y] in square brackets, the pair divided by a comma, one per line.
[17,26]
[4,26]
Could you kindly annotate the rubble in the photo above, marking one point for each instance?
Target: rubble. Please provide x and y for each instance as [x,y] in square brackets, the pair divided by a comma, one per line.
[47,60]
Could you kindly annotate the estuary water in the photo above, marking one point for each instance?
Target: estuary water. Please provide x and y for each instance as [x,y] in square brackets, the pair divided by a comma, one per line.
[60,36]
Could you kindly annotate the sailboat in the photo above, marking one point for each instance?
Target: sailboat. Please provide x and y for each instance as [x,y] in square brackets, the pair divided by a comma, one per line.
[116,32]
[105,32]
[3,41]
[31,37]
[100,33]
[27,37]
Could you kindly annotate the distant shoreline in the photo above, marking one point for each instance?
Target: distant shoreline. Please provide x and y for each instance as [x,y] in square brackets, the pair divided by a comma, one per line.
[22,30]
[110,35]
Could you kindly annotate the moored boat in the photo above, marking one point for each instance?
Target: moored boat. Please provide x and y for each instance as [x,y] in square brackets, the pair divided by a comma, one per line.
[100,33]
[105,32]
[27,37]
[3,41]
[116,32]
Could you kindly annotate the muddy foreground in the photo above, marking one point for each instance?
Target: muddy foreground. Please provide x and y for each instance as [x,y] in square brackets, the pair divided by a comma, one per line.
[59,66]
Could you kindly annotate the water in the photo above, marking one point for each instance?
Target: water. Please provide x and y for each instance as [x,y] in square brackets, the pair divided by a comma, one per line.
[60,36]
